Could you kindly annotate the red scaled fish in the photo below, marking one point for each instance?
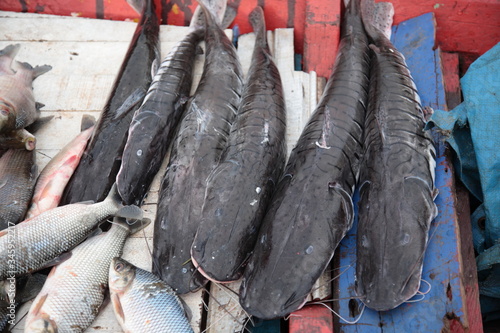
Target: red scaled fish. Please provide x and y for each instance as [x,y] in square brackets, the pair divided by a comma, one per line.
[56,174]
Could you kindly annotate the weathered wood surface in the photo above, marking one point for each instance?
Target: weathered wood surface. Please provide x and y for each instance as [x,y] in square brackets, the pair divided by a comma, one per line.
[443,309]
[471,26]
[86,55]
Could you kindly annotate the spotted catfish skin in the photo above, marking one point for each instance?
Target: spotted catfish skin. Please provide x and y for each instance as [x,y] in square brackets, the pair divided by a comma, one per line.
[18,171]
[196,151]
[239,189]
[18,108]
[102,158]
[56,174]
[153,125]
[312,209]
[397,192]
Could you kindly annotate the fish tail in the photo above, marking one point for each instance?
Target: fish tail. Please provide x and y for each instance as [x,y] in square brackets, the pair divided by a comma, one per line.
[258,23]
[225,17]
[39,70]
[132,225]
[216,8]
[25,69]
[7,55]
[137,5]
[377,18]
[131,212]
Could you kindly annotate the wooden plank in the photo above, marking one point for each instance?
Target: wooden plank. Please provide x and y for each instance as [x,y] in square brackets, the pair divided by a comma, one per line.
[225,313]
[463,25]
[450,63]
[321,36]
[109,9]
[310,318]
[444,306]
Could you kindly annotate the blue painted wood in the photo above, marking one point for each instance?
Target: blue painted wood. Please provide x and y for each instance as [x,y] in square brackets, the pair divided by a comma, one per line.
[446,300]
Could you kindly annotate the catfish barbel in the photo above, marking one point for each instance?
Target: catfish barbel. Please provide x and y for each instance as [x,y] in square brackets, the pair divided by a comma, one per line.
[396,192]
[312,210]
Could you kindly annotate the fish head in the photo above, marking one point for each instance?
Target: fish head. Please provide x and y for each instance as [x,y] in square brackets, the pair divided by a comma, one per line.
[7,116]
[391,242]
[41,324]
[282,295]
[121,275]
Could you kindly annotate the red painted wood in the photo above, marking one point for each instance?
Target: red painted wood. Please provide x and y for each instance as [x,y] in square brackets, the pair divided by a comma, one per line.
[450,63]
[111,9]
[468,274]
[462,25]
[321,36]
[311,319]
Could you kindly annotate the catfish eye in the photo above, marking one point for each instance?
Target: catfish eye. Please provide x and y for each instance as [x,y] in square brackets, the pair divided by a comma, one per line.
[119,267]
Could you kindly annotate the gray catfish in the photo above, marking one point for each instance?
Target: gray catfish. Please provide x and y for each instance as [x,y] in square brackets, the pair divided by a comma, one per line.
[144,303]
[102,157]
[312,209]
[396,182]
[196,151]
[18,172]
[75,289]
[18,108]
[239,189]
[37,243]
[153,125]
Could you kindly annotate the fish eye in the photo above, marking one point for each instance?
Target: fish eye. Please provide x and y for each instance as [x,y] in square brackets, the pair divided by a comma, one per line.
[119,267]
[4,112]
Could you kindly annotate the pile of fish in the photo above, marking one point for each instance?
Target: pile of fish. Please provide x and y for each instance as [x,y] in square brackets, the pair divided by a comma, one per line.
[229,207]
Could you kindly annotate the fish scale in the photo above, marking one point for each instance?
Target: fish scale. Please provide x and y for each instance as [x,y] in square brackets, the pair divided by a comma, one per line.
[43,238]
[145,303]
[75,289]
[18,171]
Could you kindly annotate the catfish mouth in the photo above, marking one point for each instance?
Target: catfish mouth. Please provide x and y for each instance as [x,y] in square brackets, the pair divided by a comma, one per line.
[381,297]
[208,276]
[274,305]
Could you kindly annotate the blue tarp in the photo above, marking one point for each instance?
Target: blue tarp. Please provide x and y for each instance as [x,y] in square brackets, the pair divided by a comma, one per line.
[473,131]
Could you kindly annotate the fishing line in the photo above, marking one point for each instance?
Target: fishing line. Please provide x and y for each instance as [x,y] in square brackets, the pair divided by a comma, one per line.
[347,267]
[220,304]
[422,297]
[428,290]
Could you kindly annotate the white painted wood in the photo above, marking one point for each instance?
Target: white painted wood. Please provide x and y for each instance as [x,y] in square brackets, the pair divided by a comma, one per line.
[224,311]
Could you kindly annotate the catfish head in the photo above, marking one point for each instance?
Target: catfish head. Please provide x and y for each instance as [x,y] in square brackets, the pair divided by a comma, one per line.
[392,238]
